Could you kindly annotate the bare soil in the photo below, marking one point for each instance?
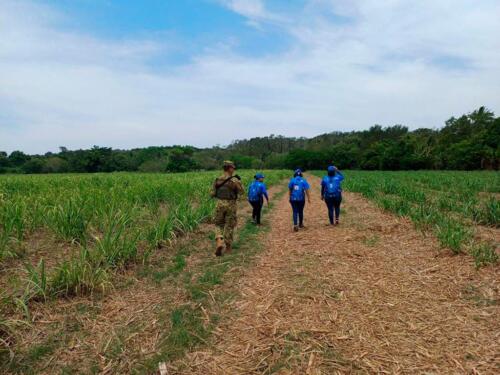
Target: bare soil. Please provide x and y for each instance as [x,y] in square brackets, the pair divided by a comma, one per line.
[371,295]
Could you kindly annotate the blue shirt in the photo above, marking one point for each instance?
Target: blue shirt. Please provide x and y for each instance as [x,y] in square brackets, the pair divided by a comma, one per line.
[297,186]
[258,190]
[333,181]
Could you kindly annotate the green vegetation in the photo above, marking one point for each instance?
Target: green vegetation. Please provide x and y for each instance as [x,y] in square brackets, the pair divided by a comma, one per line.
[98,227]
[465,143]
[107,221]
[450,204]
[104,232]
[188,323]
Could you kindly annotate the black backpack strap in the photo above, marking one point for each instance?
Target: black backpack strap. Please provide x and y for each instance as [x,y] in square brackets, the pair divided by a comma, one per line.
[222,183]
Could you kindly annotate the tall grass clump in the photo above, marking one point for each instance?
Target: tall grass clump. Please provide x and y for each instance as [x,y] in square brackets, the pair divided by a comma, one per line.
[12,226]
[78,276]
[118,244]
[38,287]
[452,235]
[69,220]
[397,205]
[484,254]
[488,213]
[12,218]
[162,231]
[425,217]
[186,217]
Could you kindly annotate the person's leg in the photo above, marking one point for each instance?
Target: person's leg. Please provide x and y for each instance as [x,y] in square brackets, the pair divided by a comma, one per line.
[220,221]
[231,222]
[337,208]
[295,213]
[301,205]
[254,211]
[329,205]
[259,211]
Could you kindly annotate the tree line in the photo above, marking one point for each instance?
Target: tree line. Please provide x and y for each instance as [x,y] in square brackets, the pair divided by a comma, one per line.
[468,142]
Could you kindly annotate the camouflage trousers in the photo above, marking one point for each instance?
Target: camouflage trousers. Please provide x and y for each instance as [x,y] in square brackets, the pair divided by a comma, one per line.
[226,218]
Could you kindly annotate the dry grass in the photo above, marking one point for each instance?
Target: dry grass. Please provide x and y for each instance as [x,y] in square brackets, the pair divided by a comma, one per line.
[127,328]
[370,296]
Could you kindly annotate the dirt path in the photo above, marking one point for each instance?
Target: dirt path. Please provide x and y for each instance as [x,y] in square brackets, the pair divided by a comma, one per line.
[370,296]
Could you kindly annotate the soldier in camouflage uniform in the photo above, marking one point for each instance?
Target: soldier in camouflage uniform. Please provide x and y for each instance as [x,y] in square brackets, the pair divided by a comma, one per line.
[226,189]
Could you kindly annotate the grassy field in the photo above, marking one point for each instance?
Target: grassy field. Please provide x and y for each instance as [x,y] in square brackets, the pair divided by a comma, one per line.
[74,247]
[111,220]
[462,209]
[65,236]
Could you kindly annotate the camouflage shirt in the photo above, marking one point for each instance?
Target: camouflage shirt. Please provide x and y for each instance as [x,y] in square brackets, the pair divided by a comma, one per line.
[229,190]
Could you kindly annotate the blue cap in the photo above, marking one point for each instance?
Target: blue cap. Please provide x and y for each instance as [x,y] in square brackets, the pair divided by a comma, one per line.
[259,175]
[297,172]
[331,168]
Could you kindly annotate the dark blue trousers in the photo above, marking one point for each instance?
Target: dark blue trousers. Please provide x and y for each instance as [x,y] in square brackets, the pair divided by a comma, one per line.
[298,212]
[257,210]
[333,204]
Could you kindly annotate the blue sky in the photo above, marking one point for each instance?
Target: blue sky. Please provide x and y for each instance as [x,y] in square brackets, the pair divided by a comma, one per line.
[125,73]
[192,23]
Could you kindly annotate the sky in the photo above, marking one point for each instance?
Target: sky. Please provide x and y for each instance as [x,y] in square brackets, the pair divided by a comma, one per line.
[127,73]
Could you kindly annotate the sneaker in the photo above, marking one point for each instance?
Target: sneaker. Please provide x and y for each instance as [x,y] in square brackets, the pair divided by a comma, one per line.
[295,228]
[301,225]
[337,222]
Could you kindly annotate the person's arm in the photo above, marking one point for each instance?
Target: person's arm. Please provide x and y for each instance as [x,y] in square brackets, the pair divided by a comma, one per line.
[306,188]
[339,174]
[213,192]
[264,193]
[238,185]
[308,194]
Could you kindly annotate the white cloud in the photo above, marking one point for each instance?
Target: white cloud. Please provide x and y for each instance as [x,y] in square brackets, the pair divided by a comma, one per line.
[247,8]
[351,64]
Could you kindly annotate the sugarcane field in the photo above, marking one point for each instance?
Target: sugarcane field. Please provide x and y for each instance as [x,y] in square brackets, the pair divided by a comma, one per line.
[249,187]
[115,272]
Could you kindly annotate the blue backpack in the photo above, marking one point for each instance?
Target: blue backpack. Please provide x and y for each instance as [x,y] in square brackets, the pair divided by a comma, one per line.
[332,189]
[297,190]
[254,192]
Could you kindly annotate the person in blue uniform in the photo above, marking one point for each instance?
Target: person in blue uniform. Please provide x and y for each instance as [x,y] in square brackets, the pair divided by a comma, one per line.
[256,193]
[298,190]
[331,193]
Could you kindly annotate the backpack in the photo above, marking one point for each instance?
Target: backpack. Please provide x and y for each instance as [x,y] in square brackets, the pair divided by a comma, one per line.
[222,190]
[297,190]
[254,192]
[332,189]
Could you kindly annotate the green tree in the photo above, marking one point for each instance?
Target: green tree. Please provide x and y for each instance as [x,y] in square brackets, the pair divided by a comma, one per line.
[18,158]
[34,165]
[4,161]
[55,164]
[180,159]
